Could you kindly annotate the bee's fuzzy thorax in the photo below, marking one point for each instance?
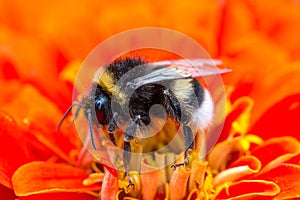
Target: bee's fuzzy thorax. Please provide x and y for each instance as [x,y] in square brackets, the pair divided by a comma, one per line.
[108,76]
[122,65]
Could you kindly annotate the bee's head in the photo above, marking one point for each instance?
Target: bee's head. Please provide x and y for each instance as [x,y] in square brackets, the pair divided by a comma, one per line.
[97,102]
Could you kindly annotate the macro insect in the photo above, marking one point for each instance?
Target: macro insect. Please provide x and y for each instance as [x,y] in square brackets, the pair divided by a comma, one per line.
[170,84]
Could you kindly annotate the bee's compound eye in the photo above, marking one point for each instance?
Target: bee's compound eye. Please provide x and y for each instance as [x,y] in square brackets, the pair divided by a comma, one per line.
[98,104]
[101,102]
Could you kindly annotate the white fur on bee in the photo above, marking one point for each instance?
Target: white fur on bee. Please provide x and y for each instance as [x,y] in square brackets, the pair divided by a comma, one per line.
[203,116]
[182,90]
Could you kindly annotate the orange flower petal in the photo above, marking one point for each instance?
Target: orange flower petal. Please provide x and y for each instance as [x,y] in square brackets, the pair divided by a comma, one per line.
[110,186]
[244,166]
[198,170]
[287,177]
[43,177]
[104,157]
[229,150]
[250,161]
[274,148]
[178,183]
[249,189]
[151,179]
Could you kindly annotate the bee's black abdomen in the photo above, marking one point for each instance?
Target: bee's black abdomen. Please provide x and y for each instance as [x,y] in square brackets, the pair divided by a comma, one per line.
[148,95]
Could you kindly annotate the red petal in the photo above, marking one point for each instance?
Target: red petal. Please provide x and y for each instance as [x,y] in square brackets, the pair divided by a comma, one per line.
[287,177]
[7,67]
[240,106]
[38,117]
[13,152]
[43,177]
[294,160]
[59,196]
[250,189]
[103,157]
[274,148]
[6,193]
[281,119]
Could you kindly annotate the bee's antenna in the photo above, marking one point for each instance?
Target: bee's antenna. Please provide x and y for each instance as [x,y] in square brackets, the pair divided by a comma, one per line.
[75,103]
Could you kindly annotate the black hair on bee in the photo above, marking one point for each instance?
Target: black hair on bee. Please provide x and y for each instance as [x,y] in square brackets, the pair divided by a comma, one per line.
[170,84]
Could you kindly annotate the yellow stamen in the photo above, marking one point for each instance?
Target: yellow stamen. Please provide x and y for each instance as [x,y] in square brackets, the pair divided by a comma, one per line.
[135,190]
[130,198]
[118,193]
[93,178]
[192,193]
[221,187]
[254,139]
[243,145]
[95,168]
[167,187]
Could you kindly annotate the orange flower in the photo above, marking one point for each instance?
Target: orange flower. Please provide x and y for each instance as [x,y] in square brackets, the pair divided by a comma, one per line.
[257,156]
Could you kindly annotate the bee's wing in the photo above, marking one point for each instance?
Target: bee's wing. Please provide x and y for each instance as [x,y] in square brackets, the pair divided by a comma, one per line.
[178,69]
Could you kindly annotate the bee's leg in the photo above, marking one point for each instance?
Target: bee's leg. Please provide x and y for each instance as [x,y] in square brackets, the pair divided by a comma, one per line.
[188,143]
[187,131]
[112,127]
[90,121]
[129,135]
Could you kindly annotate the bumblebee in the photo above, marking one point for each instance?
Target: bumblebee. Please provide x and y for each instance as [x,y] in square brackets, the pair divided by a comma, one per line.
[128,88]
